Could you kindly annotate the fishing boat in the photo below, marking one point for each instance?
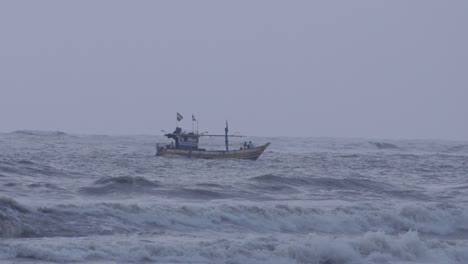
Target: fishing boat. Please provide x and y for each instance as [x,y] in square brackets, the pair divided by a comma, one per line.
[186,144]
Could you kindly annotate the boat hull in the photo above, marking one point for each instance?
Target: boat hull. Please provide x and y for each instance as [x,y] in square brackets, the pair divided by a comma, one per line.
[252,154]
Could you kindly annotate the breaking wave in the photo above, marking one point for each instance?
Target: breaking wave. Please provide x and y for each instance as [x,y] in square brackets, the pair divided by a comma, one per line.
[8,203]
[369,247]
[114,218]
[10,224]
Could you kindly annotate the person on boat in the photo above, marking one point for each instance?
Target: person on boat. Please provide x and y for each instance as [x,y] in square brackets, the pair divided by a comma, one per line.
[172,144]
[245,144]
[250,145]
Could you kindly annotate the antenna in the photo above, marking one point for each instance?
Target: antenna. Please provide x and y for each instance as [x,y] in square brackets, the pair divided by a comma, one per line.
[226,136]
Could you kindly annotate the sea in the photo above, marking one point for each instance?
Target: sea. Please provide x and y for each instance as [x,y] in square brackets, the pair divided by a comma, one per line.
[68,198]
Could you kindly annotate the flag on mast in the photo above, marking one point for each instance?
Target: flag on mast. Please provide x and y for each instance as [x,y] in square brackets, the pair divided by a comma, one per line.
[193,118]
[179,116]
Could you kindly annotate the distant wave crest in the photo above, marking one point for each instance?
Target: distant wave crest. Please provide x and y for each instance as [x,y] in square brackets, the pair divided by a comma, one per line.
[28,167]
[344,183]
[383,145]
[39,133]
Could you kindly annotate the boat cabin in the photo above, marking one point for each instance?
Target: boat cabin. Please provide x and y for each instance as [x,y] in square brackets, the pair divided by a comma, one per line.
[182,140]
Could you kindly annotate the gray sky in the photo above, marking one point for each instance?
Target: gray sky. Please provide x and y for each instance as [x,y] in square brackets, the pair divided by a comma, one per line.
[379,69]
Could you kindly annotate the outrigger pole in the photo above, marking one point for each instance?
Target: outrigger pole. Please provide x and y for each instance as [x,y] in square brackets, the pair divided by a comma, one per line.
[226,130]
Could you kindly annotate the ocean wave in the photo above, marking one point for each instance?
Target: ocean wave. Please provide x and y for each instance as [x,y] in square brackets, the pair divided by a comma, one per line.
[122,184]
[10,224]
[354,184]
[461,187]
[27,167]
[39,133]
[210,185]
[198,193]
[26,162]
[349,183]
[369,247]
[114,218]
[349,156]
[383,145]
[275,179]
[8,203]
[8,169]
[278,184]
[458,148]
[126,180]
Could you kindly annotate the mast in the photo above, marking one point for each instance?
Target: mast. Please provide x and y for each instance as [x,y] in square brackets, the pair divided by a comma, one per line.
[226,136]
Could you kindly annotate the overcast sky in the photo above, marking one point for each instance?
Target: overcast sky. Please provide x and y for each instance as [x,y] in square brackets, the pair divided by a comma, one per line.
[374,69]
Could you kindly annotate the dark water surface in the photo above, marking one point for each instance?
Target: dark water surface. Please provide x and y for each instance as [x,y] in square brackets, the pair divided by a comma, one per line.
[94,199]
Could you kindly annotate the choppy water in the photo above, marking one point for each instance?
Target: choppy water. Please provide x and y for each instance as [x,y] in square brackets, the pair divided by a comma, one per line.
[67,198]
